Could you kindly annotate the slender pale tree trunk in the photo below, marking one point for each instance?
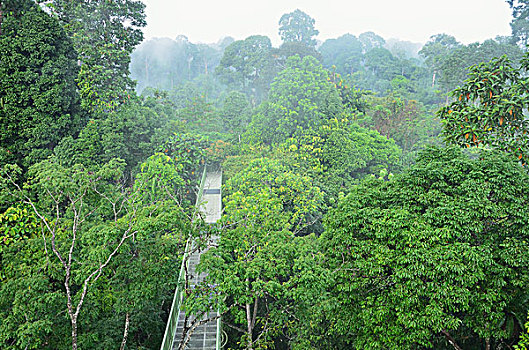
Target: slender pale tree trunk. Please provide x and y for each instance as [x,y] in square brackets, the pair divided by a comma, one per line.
[249,330]
[146,70]
[74,333]
[125,332]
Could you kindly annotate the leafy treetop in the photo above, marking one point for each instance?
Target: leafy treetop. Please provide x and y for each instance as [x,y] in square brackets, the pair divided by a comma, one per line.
[297,26]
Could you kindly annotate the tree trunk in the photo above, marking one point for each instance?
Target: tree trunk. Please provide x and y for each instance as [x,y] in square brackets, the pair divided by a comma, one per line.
[249,345]
[433,79]
[147,71]
[125,332]
[74,333]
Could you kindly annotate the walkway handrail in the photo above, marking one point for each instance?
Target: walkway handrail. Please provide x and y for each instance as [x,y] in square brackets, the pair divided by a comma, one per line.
[218,342]
[172,322]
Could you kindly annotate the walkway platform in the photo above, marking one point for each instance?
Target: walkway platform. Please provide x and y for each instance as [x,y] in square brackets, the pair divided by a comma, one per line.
[206,336]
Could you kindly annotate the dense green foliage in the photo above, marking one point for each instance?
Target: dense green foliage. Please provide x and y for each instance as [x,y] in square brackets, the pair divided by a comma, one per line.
[104,34]
[342,228]
[39,103]
[519,25]
[301,97]
[339,153]
[488,110]
[437,252]
[248,65]
[297,27]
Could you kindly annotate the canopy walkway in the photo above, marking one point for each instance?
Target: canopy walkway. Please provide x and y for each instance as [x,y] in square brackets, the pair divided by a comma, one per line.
[206,336]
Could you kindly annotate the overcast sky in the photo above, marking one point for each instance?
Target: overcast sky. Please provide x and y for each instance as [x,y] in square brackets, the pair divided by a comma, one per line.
[415,20]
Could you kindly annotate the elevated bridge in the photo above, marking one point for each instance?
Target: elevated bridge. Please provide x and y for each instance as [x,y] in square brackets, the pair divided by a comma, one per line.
[206,336]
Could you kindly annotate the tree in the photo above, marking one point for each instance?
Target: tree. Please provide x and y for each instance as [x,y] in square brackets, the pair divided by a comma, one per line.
[339,153]
[235,113]
[454,68]
[520,23]
[115,310]
[403,120]
[104,34]
[266,206]
[97,249]
[297,26]
[436,50]
[39,103]
[382,63]
[433,258]
[248,66]
[76,187]
[132,133]
[345,53]
[160,175]
[31,293]
[301,97]
[488,110]
[289,49]
[371,41]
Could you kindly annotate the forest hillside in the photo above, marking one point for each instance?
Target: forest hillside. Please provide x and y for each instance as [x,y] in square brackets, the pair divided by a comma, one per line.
[375,190]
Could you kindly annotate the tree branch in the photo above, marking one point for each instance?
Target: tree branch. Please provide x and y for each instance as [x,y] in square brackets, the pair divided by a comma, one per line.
[451,340]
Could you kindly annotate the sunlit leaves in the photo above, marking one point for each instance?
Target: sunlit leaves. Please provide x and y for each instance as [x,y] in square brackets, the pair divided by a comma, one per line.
[16,224]
[339,153]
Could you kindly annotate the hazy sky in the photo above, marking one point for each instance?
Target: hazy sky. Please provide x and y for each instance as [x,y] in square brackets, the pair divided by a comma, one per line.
[415,20]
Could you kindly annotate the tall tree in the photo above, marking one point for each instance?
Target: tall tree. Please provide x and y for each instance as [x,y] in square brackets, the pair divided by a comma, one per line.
[300,97]
[455,66]
[338,153]
[435,258]
[68,198]
[39,103]
[520,22]
[248,66]
[345,53]
[488,110]
[297,26]
[436,50]
[47,282]
[289,49]
[266,206]
[370,41]
[104,34]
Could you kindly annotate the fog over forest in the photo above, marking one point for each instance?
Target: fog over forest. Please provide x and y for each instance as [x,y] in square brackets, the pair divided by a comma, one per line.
[298,191]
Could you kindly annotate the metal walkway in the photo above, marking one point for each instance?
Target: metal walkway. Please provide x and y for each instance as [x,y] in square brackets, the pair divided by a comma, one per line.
[205,336]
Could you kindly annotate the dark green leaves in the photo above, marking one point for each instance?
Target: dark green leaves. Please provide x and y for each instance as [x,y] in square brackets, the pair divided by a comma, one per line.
[488,109]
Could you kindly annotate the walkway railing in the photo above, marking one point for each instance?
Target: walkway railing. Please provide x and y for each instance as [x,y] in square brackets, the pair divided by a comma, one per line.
[172,322]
